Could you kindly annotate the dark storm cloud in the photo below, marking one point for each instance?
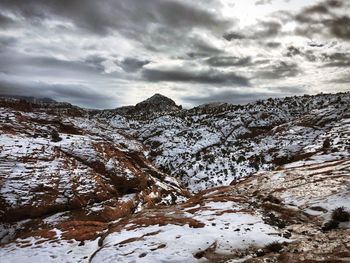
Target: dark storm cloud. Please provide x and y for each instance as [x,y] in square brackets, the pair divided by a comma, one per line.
[263,30]
[293,51]
[158,25]
[5,42]
[322,18]
[132,64]
[195,55]
[18,63]
[233,35]
[203,46]
[273,44]
[312,44]
[102,16]
[228,61]
[30,75]
[211,76]
[279,70]
[74,65]
[5,20]
[95,61]
[269,29]
[76,94]
[338,59]
[309,55]
[236,96]
[340,27]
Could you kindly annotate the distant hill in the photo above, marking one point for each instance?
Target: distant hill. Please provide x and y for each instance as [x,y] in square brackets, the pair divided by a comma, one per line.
[30,99]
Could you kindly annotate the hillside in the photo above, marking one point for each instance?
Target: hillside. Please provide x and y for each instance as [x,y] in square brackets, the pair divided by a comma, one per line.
[73,166]
[263,182]
[213,144]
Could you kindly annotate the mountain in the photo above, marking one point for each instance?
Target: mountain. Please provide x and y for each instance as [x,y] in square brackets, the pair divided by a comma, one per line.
[151,107]
[157,103]
[263,182]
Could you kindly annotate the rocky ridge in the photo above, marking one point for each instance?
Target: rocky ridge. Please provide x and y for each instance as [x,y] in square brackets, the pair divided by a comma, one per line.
[213,144]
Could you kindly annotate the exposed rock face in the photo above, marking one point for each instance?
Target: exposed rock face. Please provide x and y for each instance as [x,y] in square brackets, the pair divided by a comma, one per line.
[77,186]
[157,103]
[151,107]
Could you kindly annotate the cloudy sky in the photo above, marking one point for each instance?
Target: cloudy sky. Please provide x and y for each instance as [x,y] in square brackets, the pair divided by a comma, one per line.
[108,53]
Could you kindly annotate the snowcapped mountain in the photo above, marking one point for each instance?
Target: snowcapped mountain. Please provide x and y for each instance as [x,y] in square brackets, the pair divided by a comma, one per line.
[266,181]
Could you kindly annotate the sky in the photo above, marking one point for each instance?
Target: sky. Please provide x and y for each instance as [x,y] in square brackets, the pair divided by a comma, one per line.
[111,53]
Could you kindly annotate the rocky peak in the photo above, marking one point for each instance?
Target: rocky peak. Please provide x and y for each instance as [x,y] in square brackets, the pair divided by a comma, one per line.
[153,106]
[157,97]
[157,103]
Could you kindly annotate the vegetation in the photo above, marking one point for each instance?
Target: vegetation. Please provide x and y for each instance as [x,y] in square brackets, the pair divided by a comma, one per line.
[274,247]
[55,136]
[273,220]
[338,215]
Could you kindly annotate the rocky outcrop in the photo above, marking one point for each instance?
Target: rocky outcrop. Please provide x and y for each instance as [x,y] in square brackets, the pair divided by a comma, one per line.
[152,107]
[62,164]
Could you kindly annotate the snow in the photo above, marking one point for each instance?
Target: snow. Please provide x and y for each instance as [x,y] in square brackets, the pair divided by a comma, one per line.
[203,147]
[56,252]
[172,243]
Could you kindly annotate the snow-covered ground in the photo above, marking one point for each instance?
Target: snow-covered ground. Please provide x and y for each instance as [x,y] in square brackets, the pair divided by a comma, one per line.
[213,145]
[94,195]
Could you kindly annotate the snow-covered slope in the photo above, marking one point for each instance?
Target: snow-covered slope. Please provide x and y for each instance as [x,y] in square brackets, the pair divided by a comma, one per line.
[61,163]
[271,217]
[213,144]
[96,186]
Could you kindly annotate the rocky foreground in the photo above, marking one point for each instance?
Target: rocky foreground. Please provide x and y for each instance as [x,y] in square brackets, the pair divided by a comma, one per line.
[93,186]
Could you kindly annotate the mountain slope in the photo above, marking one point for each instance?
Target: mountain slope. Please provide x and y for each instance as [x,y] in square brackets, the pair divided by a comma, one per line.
[214,144]
[61,163]
[93,186]
[152,107]
[239,222]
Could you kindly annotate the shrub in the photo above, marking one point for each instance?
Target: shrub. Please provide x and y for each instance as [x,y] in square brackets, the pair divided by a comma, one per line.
[55,136]
[155,144]
[326,144]
[274,247]
[340,214]
[330,225]
[273,220]
[123,145]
